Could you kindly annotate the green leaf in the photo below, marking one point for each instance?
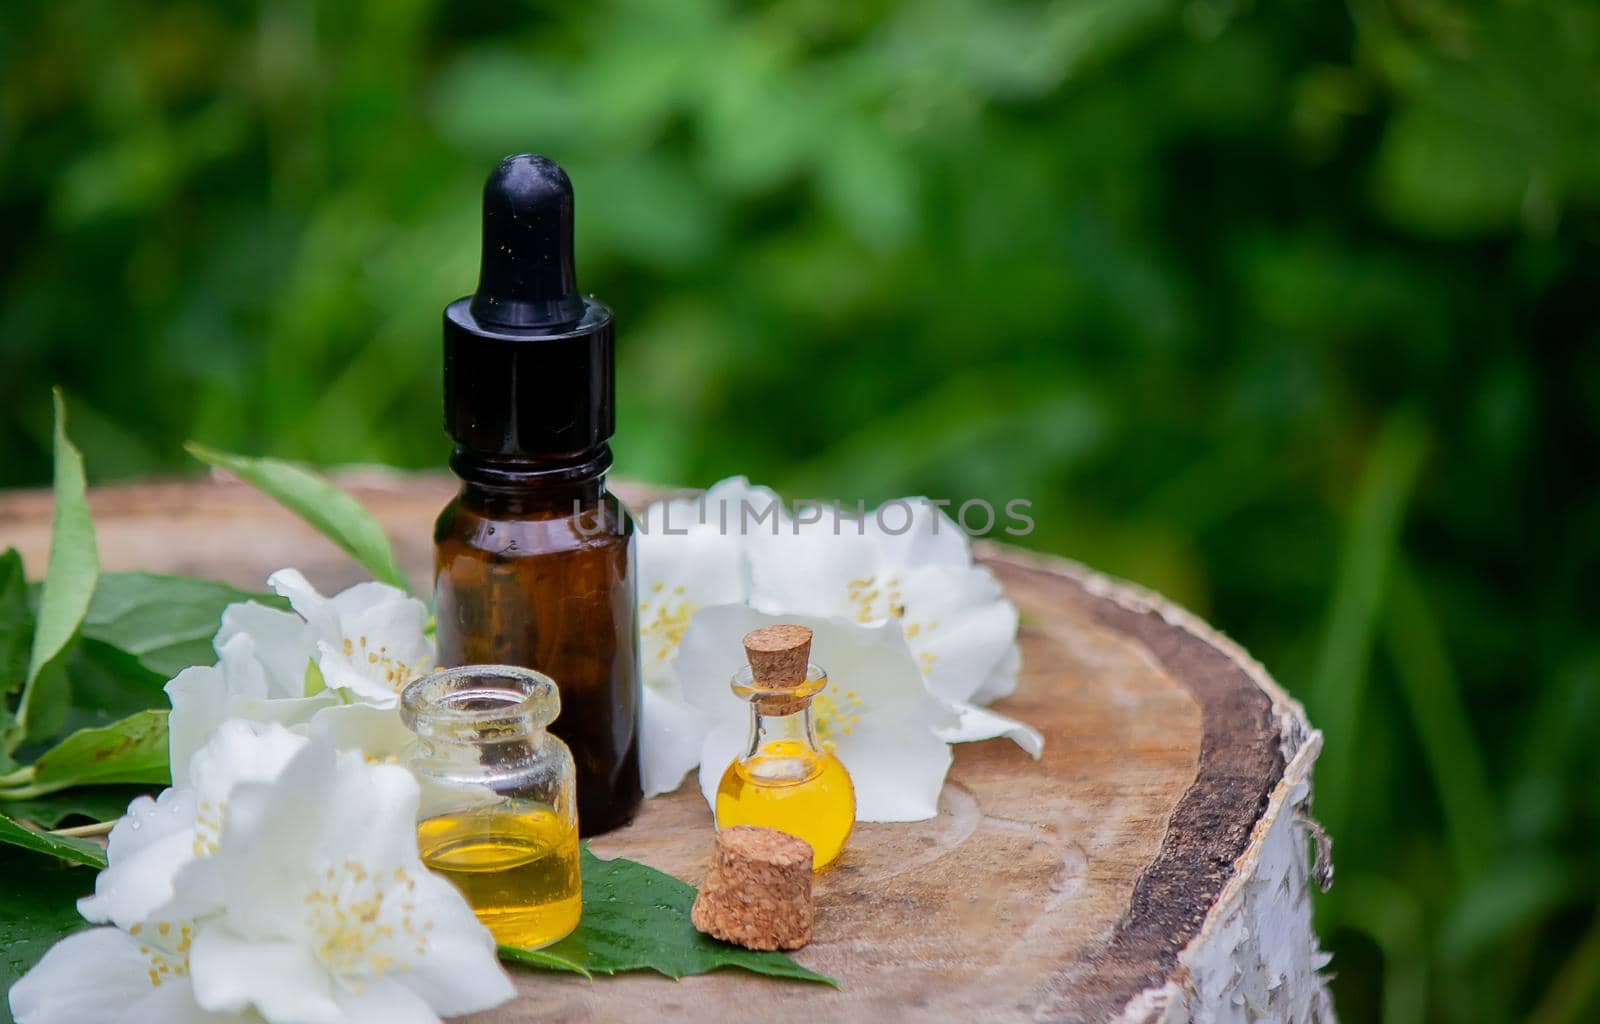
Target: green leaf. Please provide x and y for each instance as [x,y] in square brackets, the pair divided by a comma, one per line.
[96,803]
[108,685]
[637,918]
[16,637]
[335,514]
[167,622]
[1450,747]
[38,908]
[1372,539]
[132,750]
[69,583]
[67,848]
[543,958]
[16,622]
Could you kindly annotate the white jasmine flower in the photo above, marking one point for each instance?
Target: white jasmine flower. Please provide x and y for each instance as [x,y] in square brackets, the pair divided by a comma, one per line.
[157,837]
[112,976]
[669,742]
[910,564]
[359,647]
[690,557]
[907,563]
[329,915]
[285,885]
[242,684]
[875,715]
[138,970]
[370,638]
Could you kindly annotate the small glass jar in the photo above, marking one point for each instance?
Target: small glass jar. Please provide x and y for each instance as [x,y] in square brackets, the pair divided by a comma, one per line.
[498,815]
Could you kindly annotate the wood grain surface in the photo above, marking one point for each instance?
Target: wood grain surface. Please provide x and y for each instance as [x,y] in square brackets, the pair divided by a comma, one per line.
[1052,890]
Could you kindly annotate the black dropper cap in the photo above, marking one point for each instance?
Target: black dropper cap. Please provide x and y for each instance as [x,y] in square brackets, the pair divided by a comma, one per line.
[528,363]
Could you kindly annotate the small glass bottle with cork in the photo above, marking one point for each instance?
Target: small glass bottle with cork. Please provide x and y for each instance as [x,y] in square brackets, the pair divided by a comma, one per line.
[784,779]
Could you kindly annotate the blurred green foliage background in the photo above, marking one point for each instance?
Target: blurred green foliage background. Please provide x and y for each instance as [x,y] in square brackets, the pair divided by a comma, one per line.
[1286,309]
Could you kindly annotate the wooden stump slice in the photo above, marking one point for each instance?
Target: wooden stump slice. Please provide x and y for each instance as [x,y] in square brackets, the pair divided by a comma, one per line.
[1152,866]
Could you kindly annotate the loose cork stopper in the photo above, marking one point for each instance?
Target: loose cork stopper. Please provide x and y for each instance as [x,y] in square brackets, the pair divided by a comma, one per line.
[779,657]
[757,893]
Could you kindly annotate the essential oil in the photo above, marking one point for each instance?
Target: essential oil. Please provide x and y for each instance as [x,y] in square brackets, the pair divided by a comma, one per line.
[784,779]
[517,868]
[793,788]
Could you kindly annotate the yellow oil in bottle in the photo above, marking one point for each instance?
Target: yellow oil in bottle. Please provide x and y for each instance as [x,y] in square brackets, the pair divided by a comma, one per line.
[518,869]
[791,787]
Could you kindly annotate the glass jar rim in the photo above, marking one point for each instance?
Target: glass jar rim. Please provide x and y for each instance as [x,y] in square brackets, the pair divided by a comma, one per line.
[475,702]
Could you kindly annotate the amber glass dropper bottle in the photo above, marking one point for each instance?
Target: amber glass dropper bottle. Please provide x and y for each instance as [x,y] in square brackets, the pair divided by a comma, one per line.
[534,558]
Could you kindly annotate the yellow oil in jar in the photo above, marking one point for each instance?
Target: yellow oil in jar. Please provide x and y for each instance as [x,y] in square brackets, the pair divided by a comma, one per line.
[517,868]
[792,788]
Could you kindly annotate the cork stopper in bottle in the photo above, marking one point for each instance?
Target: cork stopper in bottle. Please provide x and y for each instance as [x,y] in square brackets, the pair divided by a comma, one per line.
[779,657]
[757,893]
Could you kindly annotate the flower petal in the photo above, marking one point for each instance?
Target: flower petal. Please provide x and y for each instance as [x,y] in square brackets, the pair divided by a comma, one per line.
[960,627]
[347,673]
[202,696]
[929,536]
[242,750]
[174,1003]
[728,508]
[325,822]
[669,744]
[691,555]
[269,855]
[283,643]
[154,839]
[897,772]
[906,561]
[88,978]
[290,712]
[809,566]
[375,732]
[809,571]
[721,745]
[281,980]
[319,613]
[982,724]
[370,814]
[1002,682]
[711,652]
[200,700]
[384,1002]
[381,650]
[870,662]
[100,976]
[458,971]
[368,638]
[361,599]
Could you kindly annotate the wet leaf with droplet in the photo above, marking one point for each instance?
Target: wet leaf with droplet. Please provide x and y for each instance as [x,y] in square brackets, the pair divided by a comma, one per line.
[38,907]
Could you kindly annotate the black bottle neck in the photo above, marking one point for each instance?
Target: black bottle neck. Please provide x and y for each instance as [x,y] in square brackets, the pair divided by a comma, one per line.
[517,486]
[526,395]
